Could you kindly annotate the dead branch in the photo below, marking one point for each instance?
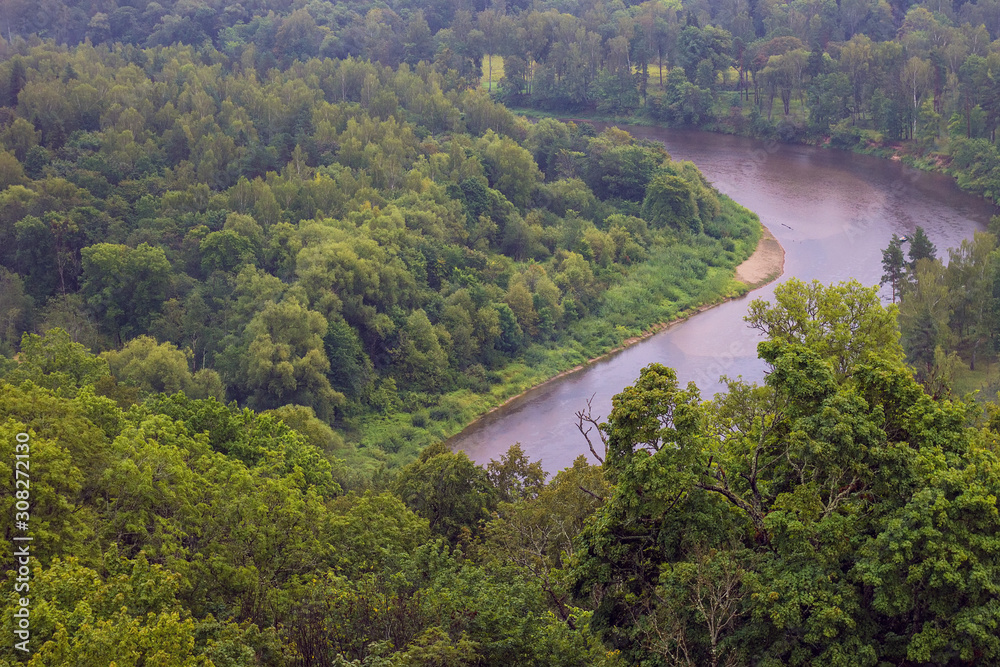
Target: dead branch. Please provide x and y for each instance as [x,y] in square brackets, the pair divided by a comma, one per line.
[585,423]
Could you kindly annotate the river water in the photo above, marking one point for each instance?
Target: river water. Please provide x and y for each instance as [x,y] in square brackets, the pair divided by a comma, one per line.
[832,211]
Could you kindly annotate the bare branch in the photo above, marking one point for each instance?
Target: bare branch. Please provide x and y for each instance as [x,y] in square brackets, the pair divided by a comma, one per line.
[585,423]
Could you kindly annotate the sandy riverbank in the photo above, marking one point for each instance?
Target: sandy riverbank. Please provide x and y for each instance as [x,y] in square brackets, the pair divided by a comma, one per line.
[765,264]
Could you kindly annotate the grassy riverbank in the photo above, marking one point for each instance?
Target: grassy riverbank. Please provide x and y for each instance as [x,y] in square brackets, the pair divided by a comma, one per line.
[678,281]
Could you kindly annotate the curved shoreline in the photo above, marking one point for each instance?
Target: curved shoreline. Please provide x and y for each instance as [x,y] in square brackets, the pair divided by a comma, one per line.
[891,151]
[765,265]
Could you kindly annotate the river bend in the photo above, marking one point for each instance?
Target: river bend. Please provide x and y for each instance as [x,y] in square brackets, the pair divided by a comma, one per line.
[832,211]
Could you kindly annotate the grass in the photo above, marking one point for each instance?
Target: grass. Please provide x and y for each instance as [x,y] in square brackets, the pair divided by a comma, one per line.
[985,379]
[497,72]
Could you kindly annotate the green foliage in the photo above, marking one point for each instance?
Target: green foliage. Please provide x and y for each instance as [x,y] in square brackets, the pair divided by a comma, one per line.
[893,266]
[375,532]
[948,315]
[434,648]
[124,286]
[351,371]
[161,368]
[618,166]
[422,362]
[354,244]
[282,360]
[843,324]
[670,203]
[920,247]
[55,361]
[758,526]
[341,236]
[447,489]
[318,433]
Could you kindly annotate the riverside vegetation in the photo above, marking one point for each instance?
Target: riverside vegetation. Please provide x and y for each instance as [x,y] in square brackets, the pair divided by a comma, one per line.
[255,258]
[949,315]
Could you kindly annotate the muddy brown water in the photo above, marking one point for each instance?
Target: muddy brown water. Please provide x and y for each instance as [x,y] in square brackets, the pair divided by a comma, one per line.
[832,211]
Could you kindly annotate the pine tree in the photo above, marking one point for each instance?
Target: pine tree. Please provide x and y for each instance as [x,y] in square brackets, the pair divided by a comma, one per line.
[893,265]
[920,247]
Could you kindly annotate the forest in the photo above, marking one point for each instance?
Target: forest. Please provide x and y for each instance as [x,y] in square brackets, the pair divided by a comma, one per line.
[258,260]
[389,254]
[916,80]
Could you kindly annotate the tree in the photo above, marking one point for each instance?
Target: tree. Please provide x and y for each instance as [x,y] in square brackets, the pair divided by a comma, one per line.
[857,61]
[920,247]
[495,27]
[434,648]
[128,617]
[916,76]
[298,37]
[418,42]
[351,371]
[318,433]
[35,256]
[535,531]
[124,286]
[54,361]
[58,520]
[755,526]
[283,360]
[18,79]
[225,251]
[514,477]
[447,489]
[510,168]
[924,315]
[161,368]
[670,203]
[970,277]
[511,337]
[619,166]
[520,301]
[375,532]
[843,323]
[422,362]
[893,266]
[15,309]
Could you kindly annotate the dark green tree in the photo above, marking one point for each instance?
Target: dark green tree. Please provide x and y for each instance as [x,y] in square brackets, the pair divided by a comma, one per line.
[893,266]
[124,286]
[447,489]
[920,247]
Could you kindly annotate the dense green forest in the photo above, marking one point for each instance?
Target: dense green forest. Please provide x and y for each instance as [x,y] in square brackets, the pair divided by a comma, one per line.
[836,515]
[258,259]
[389,252]
[897,77]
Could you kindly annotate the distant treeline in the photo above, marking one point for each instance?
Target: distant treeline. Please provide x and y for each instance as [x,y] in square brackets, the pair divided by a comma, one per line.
[862,73]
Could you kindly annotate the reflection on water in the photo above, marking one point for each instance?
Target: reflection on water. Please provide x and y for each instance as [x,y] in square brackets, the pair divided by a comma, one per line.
[832,211]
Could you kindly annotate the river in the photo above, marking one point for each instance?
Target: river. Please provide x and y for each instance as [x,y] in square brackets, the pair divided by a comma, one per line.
[832,211]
